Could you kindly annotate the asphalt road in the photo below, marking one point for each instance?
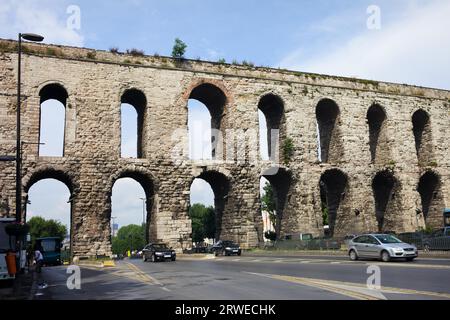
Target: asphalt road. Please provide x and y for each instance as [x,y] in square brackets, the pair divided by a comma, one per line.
[254,278]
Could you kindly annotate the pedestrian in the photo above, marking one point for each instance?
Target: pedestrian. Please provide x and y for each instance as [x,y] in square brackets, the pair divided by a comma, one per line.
[39,259]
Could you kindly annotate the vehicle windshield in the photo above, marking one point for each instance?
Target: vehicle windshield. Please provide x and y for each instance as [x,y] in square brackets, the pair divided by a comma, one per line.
[50,245]
[160,247]
[229,244]
[387,238]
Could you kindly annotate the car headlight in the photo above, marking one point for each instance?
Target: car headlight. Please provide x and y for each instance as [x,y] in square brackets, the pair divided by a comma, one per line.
[227,248]
[397,249]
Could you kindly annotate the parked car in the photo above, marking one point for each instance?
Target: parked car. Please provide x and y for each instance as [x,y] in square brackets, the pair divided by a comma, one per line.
[380,246]
[158,252]
[299,236]
[415,238]
[349,237]
[438,240]
[226,248]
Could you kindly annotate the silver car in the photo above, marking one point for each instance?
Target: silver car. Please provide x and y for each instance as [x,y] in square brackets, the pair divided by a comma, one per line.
[380,246]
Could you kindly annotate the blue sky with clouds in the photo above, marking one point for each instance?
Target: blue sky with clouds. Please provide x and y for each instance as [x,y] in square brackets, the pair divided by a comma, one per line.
[325,36]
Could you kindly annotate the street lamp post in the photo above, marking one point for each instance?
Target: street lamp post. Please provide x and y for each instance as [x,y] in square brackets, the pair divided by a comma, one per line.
[143,210]
[34,38]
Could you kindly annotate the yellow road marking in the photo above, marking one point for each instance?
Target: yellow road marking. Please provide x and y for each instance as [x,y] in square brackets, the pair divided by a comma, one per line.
[350,286]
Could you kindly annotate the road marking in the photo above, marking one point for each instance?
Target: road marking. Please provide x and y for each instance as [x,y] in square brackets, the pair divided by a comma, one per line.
[349,288]
[144,277]
[336,262]
[408,265]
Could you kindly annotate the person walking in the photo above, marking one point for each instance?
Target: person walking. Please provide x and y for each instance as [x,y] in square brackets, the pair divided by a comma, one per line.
[39,259]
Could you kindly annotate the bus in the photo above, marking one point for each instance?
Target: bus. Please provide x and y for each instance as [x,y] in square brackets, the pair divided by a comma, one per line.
[447,217]
[51,250]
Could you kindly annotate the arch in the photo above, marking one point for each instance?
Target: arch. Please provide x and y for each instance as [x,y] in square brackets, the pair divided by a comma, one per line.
[61,176]
[386,189]
[272,107]
[52,123]
[215,100]
[281,181]
[422,136]
[136,98]
[429,188]
[51,173]
[330,144]
[55,91]
[149,186]
[376,116]
[220,185]
[333,186]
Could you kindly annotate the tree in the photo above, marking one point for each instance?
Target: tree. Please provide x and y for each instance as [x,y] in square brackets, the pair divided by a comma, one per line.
[179,49]
[42,228]
[131,237]
[269,204]
[203,222]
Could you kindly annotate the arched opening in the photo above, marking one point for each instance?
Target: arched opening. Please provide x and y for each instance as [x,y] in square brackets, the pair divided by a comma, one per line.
[422,136]
[199,124]
[202,213]
[48,208]
[53,99]
[132,198]
[386,193]
[214,99]
[219,185]
[274,195]
[330,145]
[268,209]
[376,117]
[333,186]
[429,188]
[271,126]
[133,133]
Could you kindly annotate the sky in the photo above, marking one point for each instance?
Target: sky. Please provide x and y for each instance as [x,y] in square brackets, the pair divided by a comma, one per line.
[404,41]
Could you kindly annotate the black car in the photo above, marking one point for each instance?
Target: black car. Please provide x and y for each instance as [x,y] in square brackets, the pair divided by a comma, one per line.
[438,240]
[158,252]
[226,248]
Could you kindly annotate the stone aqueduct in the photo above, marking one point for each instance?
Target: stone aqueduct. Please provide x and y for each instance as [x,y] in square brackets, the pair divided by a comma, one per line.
[384,147]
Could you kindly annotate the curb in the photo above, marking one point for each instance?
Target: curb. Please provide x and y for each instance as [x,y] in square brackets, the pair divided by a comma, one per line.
[196,257]
[103,264]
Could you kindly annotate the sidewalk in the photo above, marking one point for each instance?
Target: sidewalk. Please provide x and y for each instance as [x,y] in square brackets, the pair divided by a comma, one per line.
[20,289]
[339,253]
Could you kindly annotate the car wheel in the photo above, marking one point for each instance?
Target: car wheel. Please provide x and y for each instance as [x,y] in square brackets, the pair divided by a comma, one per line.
[353,256]
[239,253]
[216,253]
[173,259]
[144,258]
[385,257]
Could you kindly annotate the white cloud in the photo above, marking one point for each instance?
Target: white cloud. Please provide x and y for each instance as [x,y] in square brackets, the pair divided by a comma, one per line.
[47,18]
[201,192]
[415,49]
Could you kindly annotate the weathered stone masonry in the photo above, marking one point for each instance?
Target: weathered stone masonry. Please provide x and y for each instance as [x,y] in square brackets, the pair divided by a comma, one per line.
[381,161]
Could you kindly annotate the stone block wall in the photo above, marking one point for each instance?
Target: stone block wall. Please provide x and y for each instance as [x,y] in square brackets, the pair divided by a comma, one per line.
[92,161]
